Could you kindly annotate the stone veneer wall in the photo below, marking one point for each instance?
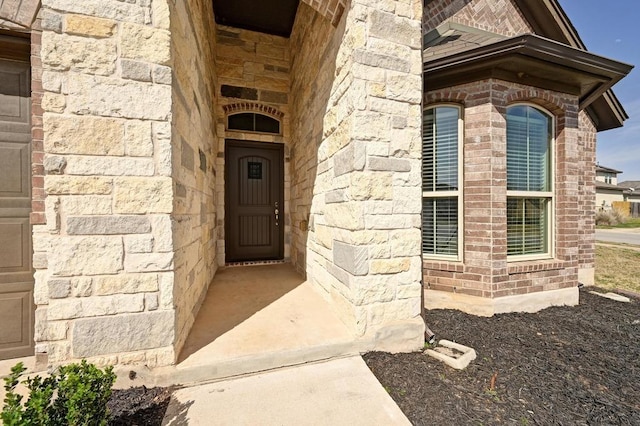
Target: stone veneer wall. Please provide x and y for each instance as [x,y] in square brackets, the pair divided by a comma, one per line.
[105,259]
[586,199]
[356,125]
[252,76]
[193,132]
[485,271]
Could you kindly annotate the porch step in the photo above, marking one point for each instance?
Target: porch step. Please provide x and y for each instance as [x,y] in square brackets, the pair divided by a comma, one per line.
[238,367]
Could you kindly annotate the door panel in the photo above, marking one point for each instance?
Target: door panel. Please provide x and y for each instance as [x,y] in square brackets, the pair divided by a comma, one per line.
[254,186]
[16,272]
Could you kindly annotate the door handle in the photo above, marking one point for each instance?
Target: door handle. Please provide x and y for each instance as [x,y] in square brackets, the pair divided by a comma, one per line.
[277,214]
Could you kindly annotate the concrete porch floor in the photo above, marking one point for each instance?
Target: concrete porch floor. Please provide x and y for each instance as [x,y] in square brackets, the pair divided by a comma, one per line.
[257,318]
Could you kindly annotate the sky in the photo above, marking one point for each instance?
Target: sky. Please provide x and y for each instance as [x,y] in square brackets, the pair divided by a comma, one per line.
[612,29]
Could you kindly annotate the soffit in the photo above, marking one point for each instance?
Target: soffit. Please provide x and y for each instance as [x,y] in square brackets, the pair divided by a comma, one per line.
[266,16]
[548,19]
[529,59]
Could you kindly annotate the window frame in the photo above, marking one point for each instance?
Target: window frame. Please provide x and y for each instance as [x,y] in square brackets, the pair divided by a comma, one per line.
[447,194]
[228,128]
[549,195]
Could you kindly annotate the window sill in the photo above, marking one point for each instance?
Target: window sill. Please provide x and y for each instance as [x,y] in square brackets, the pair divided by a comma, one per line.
[448,265]
[526,266]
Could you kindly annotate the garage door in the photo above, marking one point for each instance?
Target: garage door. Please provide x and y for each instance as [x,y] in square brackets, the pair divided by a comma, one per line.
[16,274]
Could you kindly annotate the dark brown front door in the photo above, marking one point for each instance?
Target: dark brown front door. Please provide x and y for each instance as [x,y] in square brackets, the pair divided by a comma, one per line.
[16,274]
[254,201]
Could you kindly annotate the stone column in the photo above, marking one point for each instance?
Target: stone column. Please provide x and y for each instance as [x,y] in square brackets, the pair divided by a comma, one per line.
[364,243]
[104,258]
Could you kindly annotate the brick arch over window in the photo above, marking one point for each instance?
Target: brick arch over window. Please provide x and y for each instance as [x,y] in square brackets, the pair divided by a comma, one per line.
[253,107]
[547,100]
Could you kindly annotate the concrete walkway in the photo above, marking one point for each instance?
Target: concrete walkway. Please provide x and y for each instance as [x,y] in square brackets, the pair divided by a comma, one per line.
[337,392]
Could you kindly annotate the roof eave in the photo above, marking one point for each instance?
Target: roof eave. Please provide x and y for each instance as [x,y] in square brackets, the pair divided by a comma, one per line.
[598,101]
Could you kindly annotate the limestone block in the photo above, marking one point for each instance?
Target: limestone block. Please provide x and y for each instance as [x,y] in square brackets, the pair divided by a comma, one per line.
[86,204]
[83,135]
[161,74]
[53,102]
[109,166]
[107,225]
[151,301]
[54,164]
[40,287]
[407,200]
[135,70]
[59,288]
[148,262]
[406,242]
[136,195]
[389,164]
[122,333]
[403,87]
[371,185]
[89,26]
[409,291]
[347,215]
[52,81]
[39,261]
[160,14]
[77,185]
[166,290]
[390,266]
[81,286]
[62,52]
[125,284]
[145,43]
[51,21]
[162,140]
[162,230]
[113,97]
[49,330]
[111,305]
[138,138]
[388,26]
[64,309]
[110,9]
[138,243]
[353,259]
[92,255]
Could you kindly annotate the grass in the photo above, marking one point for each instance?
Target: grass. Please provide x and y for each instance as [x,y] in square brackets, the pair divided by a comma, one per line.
[617,267]
[632,222]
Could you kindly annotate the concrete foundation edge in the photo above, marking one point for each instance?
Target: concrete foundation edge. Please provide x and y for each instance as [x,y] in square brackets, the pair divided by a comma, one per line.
[586,276]
[532,302]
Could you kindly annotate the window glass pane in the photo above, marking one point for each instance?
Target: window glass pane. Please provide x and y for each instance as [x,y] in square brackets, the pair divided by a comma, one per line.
[267,124]
[440,149]
[528,148]
[440,226]
[242,121]
[253,122]
[526,225]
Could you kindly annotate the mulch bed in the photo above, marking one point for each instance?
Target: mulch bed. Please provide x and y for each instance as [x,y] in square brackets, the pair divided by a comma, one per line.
[139,406]
[565,366]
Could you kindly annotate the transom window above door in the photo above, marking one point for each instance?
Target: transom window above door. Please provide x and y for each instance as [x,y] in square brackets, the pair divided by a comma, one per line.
[253,122]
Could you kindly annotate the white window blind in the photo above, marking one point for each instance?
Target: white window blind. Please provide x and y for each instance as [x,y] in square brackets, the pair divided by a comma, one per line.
[440,182]
[529,183]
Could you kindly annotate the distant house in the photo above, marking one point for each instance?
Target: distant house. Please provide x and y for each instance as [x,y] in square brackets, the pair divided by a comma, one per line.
[607,188]
[632,190]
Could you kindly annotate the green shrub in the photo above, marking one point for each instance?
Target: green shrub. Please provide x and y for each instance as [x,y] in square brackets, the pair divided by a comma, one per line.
[74,395]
